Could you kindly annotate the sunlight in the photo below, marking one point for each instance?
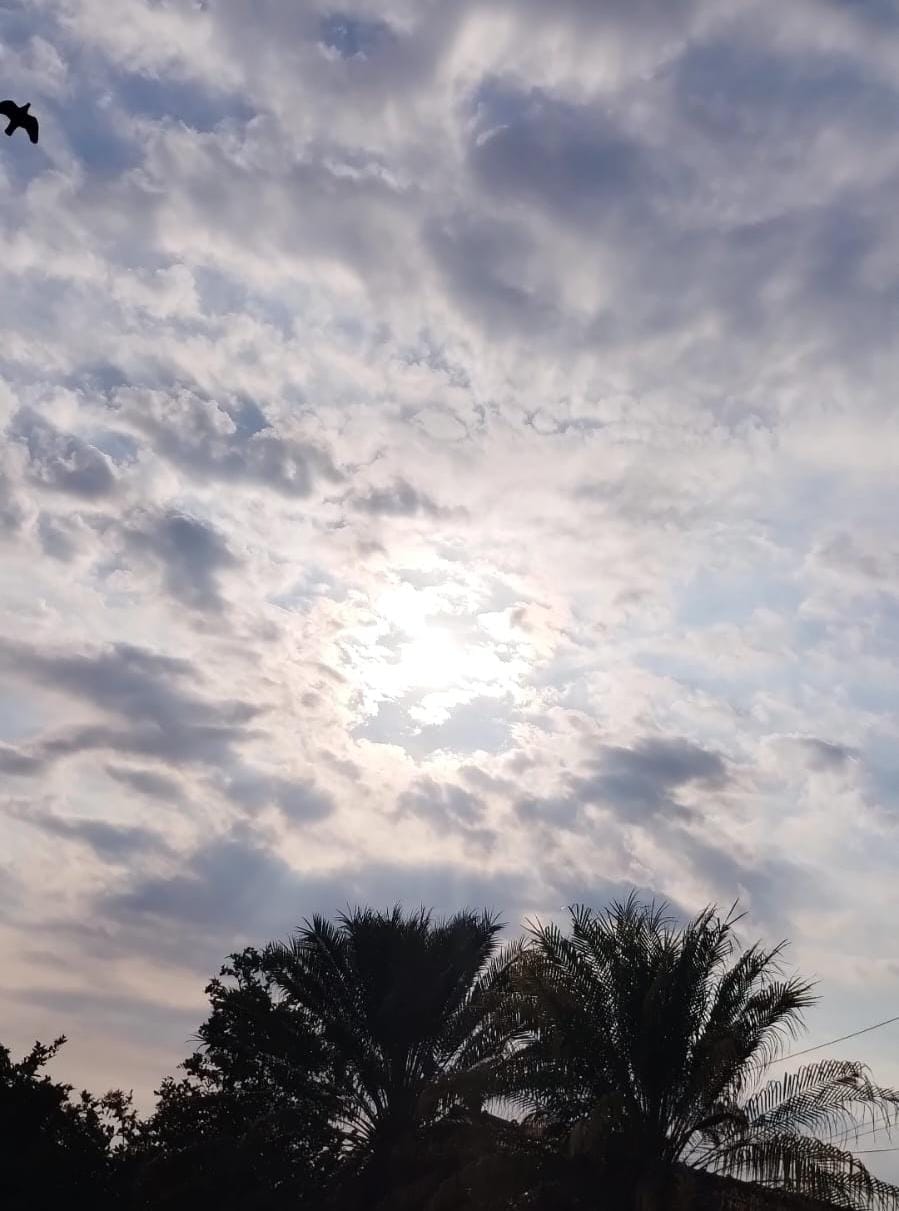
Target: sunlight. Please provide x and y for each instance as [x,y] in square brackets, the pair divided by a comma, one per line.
[421,641]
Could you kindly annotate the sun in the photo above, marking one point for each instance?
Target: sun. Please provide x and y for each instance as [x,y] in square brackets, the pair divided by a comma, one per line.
[431,645]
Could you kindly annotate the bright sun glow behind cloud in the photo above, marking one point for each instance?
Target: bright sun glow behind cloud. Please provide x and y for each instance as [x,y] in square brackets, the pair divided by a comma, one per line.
[419,644]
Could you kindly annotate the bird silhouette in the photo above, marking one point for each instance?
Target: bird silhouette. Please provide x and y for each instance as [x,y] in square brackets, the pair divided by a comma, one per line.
[19,116]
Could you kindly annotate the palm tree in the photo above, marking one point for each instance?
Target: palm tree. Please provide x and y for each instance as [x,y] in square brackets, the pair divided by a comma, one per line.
[404,1005]
[644,1051]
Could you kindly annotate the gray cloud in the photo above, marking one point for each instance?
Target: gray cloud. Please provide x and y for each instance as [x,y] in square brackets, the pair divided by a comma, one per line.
[568,159]
[481,725]
[482,781]
[116,843]
[59,537]
[17,762]
[300,799]
[156,715]
[447,807]
[847,553]
[642,781]
[146,782]
[400,499]
[60,461]
[11,512]
[190,552]
[236,888]
[229,442]
[155,1022]
[483,263]
[824,755]
[636,784]
[770,886]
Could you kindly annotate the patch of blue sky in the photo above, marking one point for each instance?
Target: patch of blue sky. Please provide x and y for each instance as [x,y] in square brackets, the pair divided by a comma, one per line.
[315,583]
[22,162]
[180,101]
[122,448]
[247,417]
[97,134]
[354,37]
[712,597]
[881,760]
[19,23]
[220,294]
[738,688]
[96,377]
[498,102]
[19,718]
[482,725]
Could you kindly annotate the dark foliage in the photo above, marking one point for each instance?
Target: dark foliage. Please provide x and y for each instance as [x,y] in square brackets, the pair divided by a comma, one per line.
[644,1046]
[250,1124]
[392,1062]
[53,1148]
[404,1006]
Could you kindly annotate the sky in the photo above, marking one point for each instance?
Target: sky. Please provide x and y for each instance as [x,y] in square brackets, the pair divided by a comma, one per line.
[449,456]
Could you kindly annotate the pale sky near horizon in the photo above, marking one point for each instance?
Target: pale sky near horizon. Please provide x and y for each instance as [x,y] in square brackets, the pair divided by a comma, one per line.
[450,455]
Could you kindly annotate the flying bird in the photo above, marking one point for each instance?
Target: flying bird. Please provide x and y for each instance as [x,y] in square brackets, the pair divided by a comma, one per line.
[19,116]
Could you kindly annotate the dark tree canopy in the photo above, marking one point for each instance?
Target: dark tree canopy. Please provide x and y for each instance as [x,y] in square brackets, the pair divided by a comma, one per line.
[389,1061]
[404,1004]
[55,1148]
[249,1124]
[646,1046]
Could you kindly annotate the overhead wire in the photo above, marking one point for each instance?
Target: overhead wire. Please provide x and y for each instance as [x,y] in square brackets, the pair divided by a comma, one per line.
[791,1055]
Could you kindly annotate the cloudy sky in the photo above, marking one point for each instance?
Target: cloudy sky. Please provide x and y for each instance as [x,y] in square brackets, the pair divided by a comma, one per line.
[449,454]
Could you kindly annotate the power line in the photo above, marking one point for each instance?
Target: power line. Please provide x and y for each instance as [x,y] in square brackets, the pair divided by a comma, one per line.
[849,1134]
[868,1151]
[842,1039]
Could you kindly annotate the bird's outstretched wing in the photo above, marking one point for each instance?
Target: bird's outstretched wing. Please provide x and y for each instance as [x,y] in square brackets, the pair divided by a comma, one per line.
[9,109]
[29,123]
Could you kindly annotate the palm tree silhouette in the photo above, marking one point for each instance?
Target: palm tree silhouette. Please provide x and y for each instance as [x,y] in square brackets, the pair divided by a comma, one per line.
[644,1052]
[404,1004]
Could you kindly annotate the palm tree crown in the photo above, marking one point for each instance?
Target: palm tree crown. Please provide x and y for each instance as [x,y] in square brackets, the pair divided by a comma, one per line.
[402,1002]
[644,1048]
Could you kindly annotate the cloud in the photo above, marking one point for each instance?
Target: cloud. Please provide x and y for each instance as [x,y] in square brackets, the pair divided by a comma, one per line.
[447,807]
[113,1014]
[227,441]
[236,887]
[482,724]
[146,782]
[568,159]
[400,499]
[643,781]
[146,695]
[191,554]
[299,798]
[111,842]
[12,513]
[12,761]
[60,537]
[354,37]
[823,755]
[62,462]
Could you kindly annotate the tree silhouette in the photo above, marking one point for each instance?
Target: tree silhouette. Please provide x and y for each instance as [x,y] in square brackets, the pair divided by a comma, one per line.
[644,1047]
[404,1004]
[391,1062]
[249,1125]
[53,1148]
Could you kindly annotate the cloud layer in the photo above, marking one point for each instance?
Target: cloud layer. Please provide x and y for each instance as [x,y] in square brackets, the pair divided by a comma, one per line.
[449,455]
